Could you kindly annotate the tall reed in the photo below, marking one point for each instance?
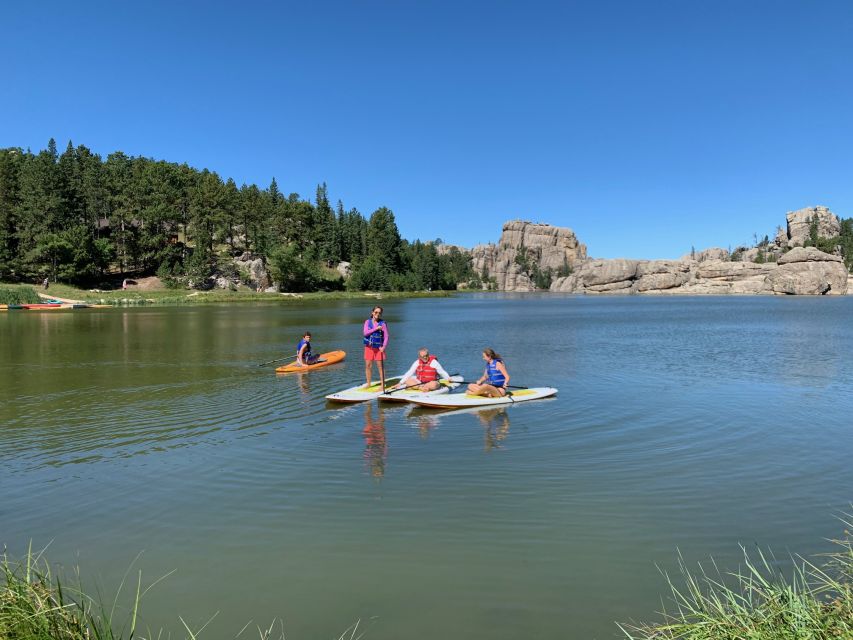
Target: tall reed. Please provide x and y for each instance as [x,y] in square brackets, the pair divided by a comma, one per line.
[758,602]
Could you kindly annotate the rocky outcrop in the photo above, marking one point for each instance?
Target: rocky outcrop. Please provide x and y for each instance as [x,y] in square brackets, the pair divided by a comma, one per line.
[807,271]
[253,271]
[800,221]
[802,271]
[526,250]
[523,249]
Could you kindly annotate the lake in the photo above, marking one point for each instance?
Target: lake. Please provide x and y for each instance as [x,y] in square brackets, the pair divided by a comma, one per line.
[682,424]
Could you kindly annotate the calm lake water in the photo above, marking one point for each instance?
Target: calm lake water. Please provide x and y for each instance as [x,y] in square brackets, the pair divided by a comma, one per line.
[691,424]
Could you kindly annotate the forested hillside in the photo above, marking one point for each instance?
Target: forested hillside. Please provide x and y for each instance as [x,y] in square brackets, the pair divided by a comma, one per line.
[77,218]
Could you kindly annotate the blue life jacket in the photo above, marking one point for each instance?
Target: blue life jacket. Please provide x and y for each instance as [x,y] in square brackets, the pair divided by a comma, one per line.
[375,339]
[307,351]
[496,378]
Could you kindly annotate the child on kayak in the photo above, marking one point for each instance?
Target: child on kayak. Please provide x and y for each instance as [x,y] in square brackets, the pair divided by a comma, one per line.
[424,373]
[303,351]
[375,334]
[493,383]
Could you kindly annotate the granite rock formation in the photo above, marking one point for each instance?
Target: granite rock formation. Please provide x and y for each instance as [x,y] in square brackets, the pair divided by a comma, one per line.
[802,271]
[799,223]
[539,245]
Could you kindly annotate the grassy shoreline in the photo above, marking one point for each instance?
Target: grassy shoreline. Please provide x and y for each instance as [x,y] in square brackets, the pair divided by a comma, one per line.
[756,602]
[175,297]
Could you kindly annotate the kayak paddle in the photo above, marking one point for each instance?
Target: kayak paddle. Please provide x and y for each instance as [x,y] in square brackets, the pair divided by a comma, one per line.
[411,386]
[276,360]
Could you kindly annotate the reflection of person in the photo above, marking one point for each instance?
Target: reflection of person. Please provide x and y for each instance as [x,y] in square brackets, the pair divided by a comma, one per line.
[426,423]
[303,384]
[493,383]
[376,444]
[496,423]
[375,342]
[424,373]
[303,351]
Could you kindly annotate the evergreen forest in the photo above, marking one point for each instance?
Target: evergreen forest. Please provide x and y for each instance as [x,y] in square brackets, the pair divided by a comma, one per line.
[74,217]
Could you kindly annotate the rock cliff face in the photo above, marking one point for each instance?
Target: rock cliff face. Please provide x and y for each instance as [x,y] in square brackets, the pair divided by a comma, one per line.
[802,271]
[799,222]
[538,246]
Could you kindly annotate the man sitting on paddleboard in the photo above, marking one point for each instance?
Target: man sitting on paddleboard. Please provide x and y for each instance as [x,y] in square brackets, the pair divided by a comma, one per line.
[493,383]
[303,351]
[424,373]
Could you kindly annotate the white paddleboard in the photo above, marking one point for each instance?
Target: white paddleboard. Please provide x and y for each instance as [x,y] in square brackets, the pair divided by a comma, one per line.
[406,395]
[460,401]
[361,393]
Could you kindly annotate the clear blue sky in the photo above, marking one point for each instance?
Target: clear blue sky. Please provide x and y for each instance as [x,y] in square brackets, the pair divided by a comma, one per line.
[645,126]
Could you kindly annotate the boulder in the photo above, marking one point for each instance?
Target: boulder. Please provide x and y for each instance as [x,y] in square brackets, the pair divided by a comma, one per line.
[808,271]
[254,270]
[344,268]
[599,276]
[660,275]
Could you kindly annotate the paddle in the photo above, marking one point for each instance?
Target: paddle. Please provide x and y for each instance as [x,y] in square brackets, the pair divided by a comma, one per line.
[509,386]
[411,386]
[276,360]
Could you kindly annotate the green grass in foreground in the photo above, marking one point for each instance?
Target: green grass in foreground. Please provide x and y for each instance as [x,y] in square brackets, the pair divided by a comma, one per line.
[36,605]
[184,296]
[18,294]
[758,603]
[755,603]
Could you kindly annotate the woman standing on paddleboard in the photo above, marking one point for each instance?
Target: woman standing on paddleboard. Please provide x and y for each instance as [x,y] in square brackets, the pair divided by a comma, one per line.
[495,378]
[375,343]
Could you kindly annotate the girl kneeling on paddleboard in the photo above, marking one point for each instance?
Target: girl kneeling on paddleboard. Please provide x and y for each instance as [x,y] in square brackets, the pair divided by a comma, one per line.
[495,378]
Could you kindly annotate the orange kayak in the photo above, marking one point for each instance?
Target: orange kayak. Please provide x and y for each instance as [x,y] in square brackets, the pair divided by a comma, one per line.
[325,360]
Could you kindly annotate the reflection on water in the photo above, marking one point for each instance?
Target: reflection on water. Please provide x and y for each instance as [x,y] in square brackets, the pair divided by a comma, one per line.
[425,422]
[375,440]
[496,426]
[304,388]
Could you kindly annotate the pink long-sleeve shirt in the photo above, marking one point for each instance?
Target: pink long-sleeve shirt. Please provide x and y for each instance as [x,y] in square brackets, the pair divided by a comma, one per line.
[368,330]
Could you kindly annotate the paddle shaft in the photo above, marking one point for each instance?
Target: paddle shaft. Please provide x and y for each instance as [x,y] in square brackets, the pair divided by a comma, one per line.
[412,386]
[276,360]
[509,386]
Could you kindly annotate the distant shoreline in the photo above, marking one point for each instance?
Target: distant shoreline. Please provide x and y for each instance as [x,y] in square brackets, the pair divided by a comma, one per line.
[180,297]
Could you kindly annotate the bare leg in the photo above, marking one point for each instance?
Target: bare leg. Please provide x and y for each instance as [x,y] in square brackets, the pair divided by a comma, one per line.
[484,390]
[368,371]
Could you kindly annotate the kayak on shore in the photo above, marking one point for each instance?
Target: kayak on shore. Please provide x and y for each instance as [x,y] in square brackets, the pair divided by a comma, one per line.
[326,359]
[460,401]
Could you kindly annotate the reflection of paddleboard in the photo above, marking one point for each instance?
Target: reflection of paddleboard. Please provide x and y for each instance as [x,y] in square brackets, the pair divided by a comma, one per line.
[361,393]
[460,401]
[325,360]
[406,395]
